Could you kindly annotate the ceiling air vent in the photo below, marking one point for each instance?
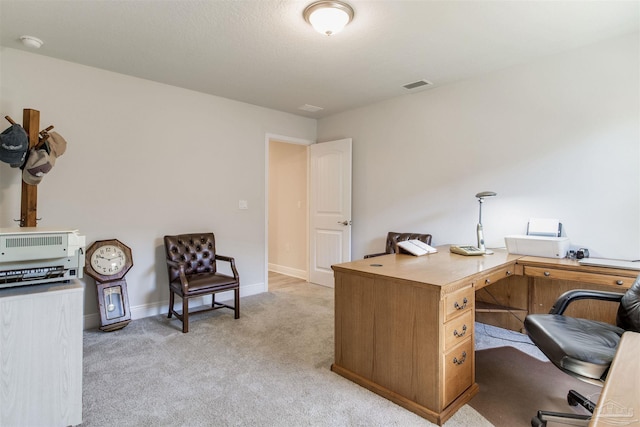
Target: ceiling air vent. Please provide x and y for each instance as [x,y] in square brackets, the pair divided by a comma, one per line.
[420,84]
[310,108]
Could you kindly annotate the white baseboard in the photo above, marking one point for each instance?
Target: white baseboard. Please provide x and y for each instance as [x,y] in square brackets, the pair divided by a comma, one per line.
[92,321]
[294,272]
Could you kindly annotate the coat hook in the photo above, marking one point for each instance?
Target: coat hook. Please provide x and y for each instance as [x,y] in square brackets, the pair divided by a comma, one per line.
[23,221]
[10,120]
[46,130]
[43,136]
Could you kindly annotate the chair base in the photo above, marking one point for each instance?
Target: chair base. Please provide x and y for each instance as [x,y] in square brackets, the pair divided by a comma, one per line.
[184,315]
[574,399]
[558,417]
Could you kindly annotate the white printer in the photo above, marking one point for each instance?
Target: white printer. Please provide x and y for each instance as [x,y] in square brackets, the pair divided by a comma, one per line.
[543,239]
[33,255]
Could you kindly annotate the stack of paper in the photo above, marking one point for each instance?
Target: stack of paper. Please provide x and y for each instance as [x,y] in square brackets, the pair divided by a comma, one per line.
[417,247]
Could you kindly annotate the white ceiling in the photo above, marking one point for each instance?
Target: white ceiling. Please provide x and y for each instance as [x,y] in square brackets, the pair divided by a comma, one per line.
[263,52]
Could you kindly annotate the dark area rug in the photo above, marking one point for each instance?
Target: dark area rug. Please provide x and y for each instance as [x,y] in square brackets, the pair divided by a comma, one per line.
[514,386]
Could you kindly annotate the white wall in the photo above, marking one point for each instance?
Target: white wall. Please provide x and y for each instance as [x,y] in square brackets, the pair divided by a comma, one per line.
[558,138]
[145,160]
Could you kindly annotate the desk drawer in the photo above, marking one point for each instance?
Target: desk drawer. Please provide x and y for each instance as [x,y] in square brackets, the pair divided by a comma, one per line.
[616,282]
[458,329]
[458,302]
[458,370]
[495,276]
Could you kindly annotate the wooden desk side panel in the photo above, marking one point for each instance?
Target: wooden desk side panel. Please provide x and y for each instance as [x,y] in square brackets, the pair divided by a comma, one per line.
[619,402]
[407,330]
[388,333]
[545,292]
[354,327]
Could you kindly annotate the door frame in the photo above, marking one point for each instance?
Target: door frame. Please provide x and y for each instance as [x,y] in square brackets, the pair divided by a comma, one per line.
[289,140]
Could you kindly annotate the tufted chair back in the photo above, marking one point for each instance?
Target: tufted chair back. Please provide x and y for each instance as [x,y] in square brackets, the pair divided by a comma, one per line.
[393,238]
[198,251]
[628,317]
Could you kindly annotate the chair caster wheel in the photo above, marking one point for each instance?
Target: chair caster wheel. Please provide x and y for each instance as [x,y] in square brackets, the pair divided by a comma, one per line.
[537,422]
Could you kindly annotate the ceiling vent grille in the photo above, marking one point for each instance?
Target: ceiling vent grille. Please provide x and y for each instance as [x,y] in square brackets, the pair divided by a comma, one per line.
[419,84]
[310,108]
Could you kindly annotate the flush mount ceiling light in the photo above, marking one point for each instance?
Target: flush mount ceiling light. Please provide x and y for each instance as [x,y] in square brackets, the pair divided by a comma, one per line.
[32,42]
[328,17]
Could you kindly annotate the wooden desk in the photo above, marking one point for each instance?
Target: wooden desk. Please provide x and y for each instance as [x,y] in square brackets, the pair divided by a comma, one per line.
[539,282]
[619,403]
[404,325]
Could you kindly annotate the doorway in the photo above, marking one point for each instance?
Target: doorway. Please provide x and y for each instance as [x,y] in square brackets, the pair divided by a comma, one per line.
[308,208]
[287,209]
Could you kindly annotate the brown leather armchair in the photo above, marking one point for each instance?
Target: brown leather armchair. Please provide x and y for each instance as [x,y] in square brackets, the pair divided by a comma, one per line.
[393,238]
[191,265]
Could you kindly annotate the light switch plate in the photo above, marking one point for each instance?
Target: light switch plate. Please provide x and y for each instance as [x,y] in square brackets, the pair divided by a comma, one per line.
[243,204]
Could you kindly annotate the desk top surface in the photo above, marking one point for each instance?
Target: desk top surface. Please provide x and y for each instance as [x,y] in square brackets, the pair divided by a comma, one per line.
[570,264]
[444,268]
[439,269]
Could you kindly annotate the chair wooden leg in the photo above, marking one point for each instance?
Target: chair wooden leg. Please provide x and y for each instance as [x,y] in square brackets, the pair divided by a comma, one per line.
[236,293]
[185,314]
[171,299]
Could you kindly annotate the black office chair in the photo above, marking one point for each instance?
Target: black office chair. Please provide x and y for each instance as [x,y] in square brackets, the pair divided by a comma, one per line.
[580,347]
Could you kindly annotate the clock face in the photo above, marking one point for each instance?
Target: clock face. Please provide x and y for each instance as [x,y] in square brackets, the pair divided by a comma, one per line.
[108,260]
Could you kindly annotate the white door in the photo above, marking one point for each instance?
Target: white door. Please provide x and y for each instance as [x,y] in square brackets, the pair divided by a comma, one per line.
[329,208]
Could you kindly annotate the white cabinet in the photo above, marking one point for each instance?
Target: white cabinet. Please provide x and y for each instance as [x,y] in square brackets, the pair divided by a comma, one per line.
[41,355]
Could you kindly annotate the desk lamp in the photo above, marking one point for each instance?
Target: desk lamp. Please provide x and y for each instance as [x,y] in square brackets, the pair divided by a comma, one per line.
[479,231]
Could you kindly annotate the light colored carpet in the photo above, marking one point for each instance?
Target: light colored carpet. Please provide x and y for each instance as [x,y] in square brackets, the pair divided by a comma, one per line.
[271,367]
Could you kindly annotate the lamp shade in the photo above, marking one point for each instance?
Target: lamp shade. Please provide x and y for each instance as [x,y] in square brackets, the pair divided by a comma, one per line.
[328,17]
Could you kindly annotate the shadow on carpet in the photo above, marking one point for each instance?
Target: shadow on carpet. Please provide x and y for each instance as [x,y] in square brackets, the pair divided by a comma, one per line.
[514,386]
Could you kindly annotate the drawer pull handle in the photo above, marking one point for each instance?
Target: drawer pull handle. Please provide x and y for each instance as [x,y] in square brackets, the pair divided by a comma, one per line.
[458,334]
[460,307]
[509,273]
[619,282]
[462,359]
[487,281]
[546,273]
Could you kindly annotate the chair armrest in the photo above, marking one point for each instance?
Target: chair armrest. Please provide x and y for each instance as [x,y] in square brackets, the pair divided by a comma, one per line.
[568,297]
[375,255]
[175,264]
[231,261]
[183,277]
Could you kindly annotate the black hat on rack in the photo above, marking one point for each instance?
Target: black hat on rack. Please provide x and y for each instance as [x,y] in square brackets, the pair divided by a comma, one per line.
[14,144]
